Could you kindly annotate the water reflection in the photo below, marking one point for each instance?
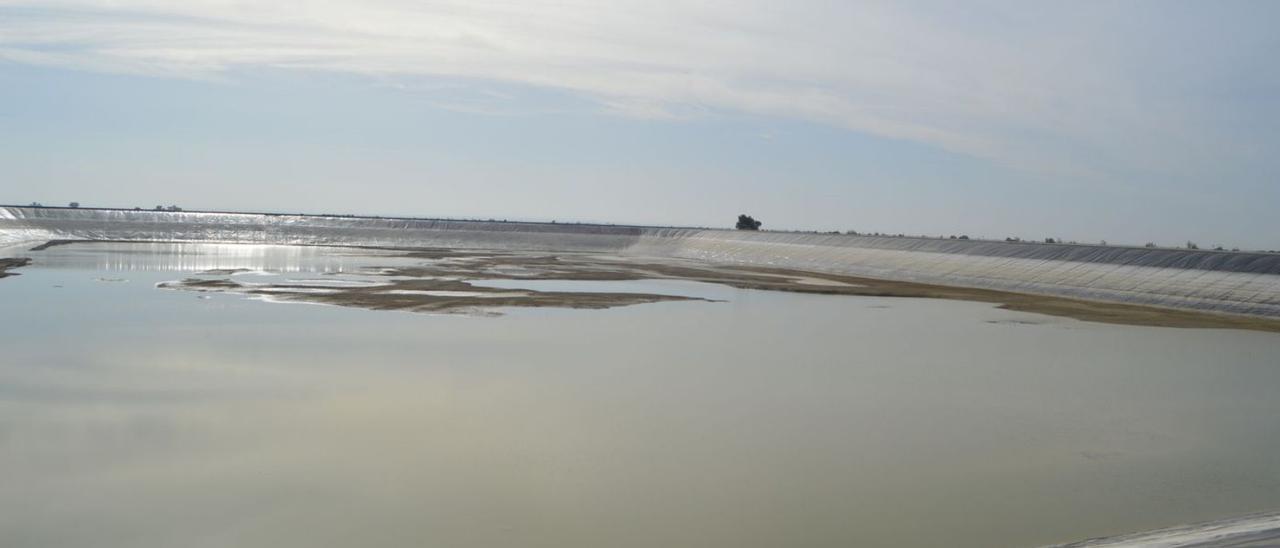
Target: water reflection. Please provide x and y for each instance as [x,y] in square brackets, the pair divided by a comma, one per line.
[179,257]
[135,417]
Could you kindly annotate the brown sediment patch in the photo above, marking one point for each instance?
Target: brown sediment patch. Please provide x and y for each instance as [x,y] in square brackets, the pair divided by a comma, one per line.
[423,295]
[8,264]
[222,271]
[438,285]
[587,267]
[196,284]
[55,243]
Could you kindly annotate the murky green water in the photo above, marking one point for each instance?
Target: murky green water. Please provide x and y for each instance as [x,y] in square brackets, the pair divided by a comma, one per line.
[137,417]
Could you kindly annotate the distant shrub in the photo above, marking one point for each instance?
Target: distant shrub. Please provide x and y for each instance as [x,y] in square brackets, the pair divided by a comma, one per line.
[747,222]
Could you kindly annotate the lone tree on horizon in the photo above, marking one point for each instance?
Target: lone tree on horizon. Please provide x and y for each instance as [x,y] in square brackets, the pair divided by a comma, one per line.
[747,222]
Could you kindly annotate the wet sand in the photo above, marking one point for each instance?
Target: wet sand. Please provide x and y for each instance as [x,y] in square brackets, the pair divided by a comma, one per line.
[7,264]
[423,295]
[440,285]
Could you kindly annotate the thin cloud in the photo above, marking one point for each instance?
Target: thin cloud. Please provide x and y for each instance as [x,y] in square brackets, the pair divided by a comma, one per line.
[1051,94]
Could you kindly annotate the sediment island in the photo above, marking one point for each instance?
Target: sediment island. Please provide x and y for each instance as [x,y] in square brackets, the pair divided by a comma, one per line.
[10,263]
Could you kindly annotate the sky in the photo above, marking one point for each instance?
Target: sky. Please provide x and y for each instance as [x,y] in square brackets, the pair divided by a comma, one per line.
[1121,121]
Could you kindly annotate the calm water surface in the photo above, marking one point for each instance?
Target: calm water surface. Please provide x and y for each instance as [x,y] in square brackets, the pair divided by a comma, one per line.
[137,417]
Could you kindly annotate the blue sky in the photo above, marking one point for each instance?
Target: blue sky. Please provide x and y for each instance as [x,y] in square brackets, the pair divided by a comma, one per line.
[1131,122]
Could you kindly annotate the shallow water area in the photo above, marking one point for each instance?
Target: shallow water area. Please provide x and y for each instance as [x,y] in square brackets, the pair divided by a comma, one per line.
[132,416]
[683,288]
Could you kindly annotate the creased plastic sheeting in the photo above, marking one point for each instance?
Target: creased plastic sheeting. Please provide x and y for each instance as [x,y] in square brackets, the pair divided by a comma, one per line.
[1261,263]
[1255,530]
[1244,283]
[96,224]
[1253,292]
[16,235]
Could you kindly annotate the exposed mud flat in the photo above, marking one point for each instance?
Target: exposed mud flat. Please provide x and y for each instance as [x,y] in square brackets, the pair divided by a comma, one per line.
[421,295]
[8,264]
[440,284]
